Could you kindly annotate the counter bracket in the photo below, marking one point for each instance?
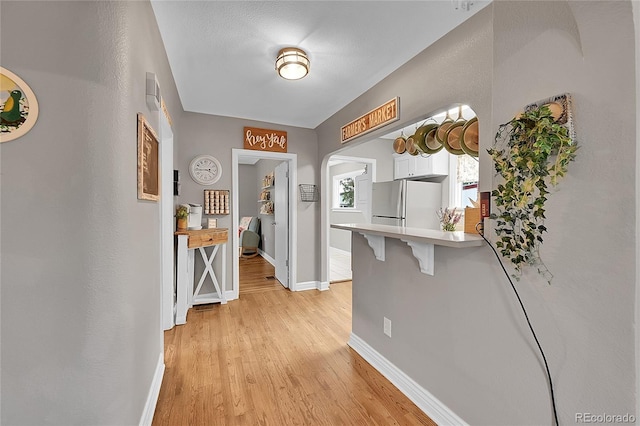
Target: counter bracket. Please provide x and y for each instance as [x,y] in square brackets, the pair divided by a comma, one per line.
[423,252]
[376,242]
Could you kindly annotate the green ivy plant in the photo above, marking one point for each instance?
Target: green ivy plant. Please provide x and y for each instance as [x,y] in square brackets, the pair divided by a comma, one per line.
[530,152]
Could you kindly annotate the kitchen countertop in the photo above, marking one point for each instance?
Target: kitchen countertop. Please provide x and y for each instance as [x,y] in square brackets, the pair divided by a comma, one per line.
[457,239]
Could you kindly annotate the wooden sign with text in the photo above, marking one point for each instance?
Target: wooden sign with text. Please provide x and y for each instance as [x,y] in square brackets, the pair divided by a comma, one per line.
[265,139]
[374,119]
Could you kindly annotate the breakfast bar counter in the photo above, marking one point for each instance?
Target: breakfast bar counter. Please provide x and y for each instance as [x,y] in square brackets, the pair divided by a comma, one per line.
[421,241]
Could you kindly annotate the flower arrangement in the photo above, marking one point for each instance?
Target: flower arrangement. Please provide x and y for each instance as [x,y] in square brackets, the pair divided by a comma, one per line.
[448,218]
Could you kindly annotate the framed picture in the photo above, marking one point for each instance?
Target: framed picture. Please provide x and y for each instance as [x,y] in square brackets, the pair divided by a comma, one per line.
[18,106]
[148,161]
[212,223]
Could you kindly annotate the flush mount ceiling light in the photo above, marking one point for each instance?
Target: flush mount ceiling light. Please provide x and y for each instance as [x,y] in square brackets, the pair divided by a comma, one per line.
[292,63]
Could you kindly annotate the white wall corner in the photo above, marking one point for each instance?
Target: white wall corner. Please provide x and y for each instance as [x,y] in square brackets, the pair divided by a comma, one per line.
[154,391]
[323,285]
[432,407]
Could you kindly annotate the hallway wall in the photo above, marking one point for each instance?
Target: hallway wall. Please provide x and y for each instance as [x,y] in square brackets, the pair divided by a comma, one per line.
[80,304]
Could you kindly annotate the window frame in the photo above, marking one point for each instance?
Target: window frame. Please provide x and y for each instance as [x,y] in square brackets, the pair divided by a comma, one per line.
[335,194]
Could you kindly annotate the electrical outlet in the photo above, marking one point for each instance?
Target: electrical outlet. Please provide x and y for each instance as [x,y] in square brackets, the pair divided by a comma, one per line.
[387,326]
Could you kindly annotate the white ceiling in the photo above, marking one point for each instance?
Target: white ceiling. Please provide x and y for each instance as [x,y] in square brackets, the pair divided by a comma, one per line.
[222,53]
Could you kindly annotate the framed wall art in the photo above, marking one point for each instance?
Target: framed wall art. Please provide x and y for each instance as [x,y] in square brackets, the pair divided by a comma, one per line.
[148,161]
[18,106]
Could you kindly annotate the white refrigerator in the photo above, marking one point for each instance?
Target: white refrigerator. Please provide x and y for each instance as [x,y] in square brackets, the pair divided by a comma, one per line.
[406,203]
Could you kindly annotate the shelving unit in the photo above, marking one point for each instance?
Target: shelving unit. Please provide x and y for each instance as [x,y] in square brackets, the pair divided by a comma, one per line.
[266,207]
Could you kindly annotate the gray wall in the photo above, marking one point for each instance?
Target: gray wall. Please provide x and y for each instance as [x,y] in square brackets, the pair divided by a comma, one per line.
[80,253]
[248,193]
[460,333]
[216,135]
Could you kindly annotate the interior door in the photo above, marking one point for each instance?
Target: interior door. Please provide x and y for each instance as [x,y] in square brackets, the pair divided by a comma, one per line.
[281,217]
[362,184]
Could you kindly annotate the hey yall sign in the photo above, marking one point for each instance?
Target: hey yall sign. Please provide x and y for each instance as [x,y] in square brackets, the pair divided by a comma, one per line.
[265,139]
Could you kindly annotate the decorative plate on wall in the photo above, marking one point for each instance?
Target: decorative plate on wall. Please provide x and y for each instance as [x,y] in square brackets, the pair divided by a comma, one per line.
[19,107]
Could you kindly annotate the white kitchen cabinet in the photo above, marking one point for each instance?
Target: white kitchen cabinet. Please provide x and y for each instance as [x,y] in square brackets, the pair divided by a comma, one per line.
[406,166]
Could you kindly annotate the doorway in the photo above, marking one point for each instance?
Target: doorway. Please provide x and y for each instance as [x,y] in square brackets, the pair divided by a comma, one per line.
[286,247]
[348,200]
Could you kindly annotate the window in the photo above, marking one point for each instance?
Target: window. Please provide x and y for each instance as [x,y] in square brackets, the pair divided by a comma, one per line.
[463,174]
[344,190]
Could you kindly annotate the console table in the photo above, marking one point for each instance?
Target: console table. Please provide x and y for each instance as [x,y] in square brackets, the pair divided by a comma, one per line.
[188,242]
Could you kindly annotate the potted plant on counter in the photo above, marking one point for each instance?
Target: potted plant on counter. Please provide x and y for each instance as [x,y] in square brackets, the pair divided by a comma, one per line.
[182,213]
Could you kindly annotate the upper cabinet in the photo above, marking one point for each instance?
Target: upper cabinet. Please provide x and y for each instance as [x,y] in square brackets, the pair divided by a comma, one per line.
[407,166]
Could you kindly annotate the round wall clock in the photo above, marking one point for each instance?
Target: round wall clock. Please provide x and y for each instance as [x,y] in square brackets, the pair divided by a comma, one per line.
[205,169]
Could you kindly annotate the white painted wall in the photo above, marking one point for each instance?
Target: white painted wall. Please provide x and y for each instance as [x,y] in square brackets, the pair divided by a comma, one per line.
[80,309]
[460,333]
[380,150]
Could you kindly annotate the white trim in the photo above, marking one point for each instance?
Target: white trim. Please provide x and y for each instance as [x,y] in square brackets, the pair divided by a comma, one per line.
[230,295]
[311,285]
[167,252]
[292,159]
[266,257]
[436,410]
[635,8]
[154,391]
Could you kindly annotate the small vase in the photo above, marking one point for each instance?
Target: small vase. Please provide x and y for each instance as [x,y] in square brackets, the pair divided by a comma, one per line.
[182,224]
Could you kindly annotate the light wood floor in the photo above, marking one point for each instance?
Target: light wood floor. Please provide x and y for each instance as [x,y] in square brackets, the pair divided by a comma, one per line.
[274,357]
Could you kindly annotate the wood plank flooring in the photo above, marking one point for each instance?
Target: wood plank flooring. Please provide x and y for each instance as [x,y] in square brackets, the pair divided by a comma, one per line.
[275,357]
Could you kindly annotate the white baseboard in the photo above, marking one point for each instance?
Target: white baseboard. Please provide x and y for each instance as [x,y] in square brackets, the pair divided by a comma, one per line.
[154,391]
[266,257]
[311,285]
[436,410]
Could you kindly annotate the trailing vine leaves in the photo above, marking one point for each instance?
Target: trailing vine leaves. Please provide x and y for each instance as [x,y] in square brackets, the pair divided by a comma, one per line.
[530,152]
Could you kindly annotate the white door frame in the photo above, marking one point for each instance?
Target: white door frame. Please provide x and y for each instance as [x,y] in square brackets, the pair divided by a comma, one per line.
[167,263]
[292,159]
[325,198]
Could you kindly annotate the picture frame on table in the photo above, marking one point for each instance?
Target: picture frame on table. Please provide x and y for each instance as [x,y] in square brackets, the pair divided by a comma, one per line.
[148,161]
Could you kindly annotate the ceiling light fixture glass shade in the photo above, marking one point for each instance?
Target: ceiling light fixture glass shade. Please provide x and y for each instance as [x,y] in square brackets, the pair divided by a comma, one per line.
[292,63]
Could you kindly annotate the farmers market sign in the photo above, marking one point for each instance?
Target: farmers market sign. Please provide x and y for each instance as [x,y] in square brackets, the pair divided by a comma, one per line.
[374,119]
